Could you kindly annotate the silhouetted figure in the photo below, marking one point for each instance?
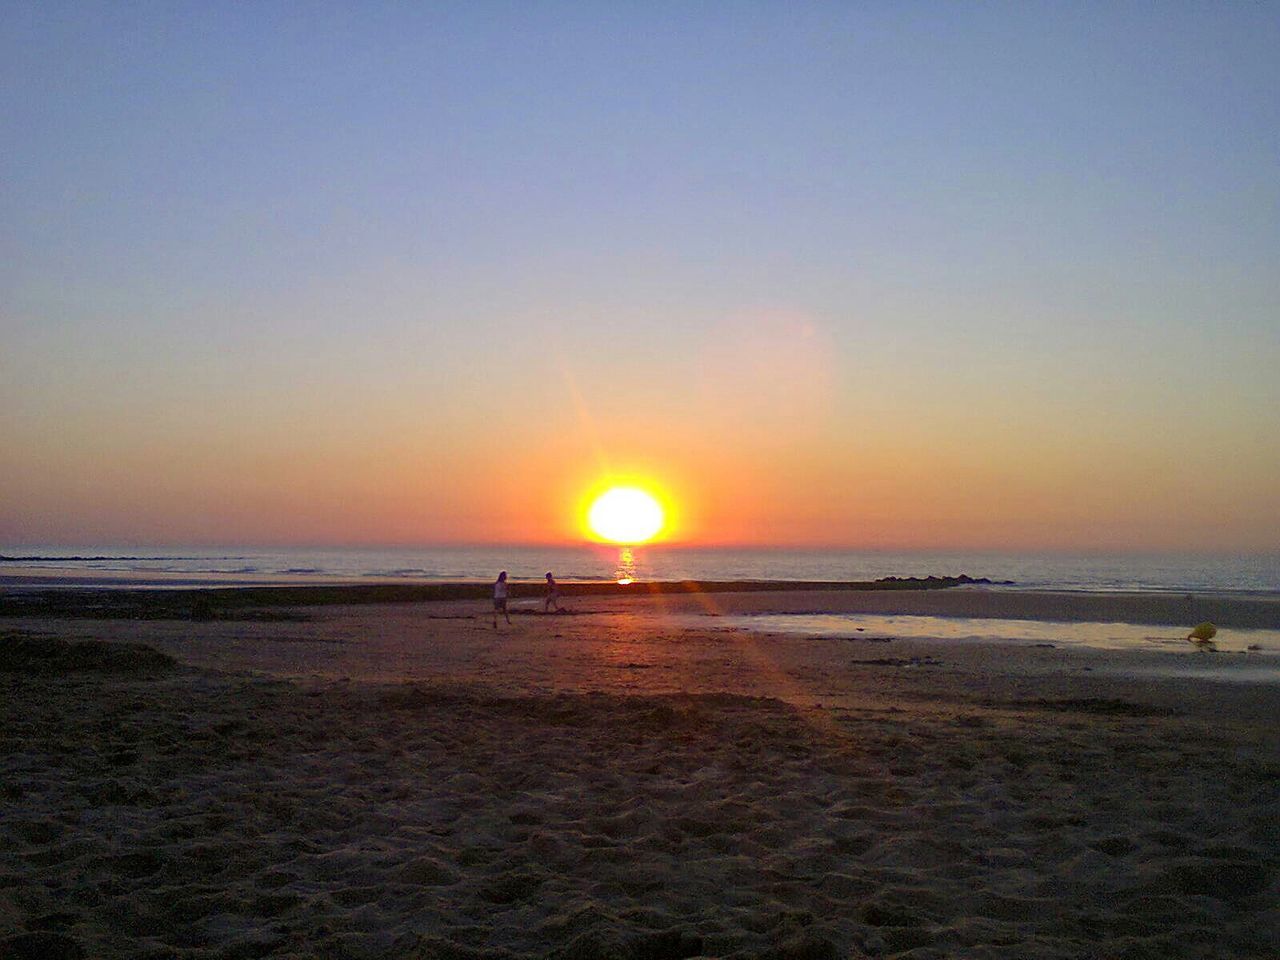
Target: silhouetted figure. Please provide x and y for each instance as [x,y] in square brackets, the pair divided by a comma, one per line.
[552,601]
[500,598]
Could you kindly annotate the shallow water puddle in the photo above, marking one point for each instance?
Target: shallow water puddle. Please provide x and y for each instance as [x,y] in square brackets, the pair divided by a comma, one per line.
[1101,636]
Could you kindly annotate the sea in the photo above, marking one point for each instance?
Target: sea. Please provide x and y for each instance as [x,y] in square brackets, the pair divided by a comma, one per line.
[225,566]
[26,567]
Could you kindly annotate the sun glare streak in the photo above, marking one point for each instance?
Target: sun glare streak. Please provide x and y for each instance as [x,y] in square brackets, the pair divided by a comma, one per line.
[586,421]
[756,654]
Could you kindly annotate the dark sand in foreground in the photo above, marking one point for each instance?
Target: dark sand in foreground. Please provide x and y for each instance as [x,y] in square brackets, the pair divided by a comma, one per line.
[400,781]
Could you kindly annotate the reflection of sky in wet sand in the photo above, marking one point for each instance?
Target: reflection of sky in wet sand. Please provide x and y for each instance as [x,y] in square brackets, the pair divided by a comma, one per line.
[1101,636]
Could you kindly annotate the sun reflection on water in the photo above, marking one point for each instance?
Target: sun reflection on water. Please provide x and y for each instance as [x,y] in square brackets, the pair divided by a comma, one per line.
[625,572]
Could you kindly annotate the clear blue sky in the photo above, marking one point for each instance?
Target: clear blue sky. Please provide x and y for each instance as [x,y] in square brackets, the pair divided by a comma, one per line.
[234,222]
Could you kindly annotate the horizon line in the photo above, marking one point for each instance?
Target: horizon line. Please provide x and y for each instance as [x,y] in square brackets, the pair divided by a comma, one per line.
[7,548]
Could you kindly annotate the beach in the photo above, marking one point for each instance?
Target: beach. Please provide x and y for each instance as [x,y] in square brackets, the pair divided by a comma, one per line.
[886,391]
[643,777]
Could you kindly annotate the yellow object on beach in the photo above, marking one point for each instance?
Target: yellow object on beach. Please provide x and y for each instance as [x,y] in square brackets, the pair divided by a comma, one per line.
[1203,632]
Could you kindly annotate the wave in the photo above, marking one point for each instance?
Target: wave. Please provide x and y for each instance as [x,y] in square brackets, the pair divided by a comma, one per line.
[1190,575]
[39,558]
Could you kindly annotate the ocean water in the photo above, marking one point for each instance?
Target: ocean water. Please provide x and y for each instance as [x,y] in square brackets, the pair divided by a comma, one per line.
[1096,635]
[1060,571]
[1236,655]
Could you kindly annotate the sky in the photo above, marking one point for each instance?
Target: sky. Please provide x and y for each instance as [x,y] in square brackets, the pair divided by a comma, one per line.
[900,275]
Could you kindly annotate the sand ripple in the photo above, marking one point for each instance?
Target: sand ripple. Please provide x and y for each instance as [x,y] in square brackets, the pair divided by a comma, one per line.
[181,814]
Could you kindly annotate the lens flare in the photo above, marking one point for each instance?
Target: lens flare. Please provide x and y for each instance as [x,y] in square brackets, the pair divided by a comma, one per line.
[625,515]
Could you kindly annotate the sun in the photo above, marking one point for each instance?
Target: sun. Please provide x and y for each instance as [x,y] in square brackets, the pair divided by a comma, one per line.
[626,515]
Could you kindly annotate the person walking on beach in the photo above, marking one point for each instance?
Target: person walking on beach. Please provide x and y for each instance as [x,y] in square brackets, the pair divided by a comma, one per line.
[500,599]
[552,600]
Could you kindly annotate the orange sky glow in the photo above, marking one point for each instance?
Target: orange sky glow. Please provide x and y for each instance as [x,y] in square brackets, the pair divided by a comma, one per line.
[835,279]
[783,441]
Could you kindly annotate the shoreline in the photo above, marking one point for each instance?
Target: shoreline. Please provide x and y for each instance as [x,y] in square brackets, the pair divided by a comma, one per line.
[416,641]
[419,588]
[939,598]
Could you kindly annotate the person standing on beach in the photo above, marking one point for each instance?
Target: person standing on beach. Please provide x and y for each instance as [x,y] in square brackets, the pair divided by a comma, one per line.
[553,595]
[500,599]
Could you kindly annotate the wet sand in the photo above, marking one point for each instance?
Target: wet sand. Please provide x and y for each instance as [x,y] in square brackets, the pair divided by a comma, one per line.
[632,780]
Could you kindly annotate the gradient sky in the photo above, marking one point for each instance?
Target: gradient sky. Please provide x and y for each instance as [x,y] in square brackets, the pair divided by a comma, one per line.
[882,274]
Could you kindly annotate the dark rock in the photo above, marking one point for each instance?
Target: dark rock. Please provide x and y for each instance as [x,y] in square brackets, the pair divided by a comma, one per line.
[933,581]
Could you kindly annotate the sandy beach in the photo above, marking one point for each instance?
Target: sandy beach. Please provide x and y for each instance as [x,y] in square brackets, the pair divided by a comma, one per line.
[887,391]
[633,780]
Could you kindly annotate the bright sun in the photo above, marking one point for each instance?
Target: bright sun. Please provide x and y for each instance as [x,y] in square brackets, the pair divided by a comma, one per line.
[625,515]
